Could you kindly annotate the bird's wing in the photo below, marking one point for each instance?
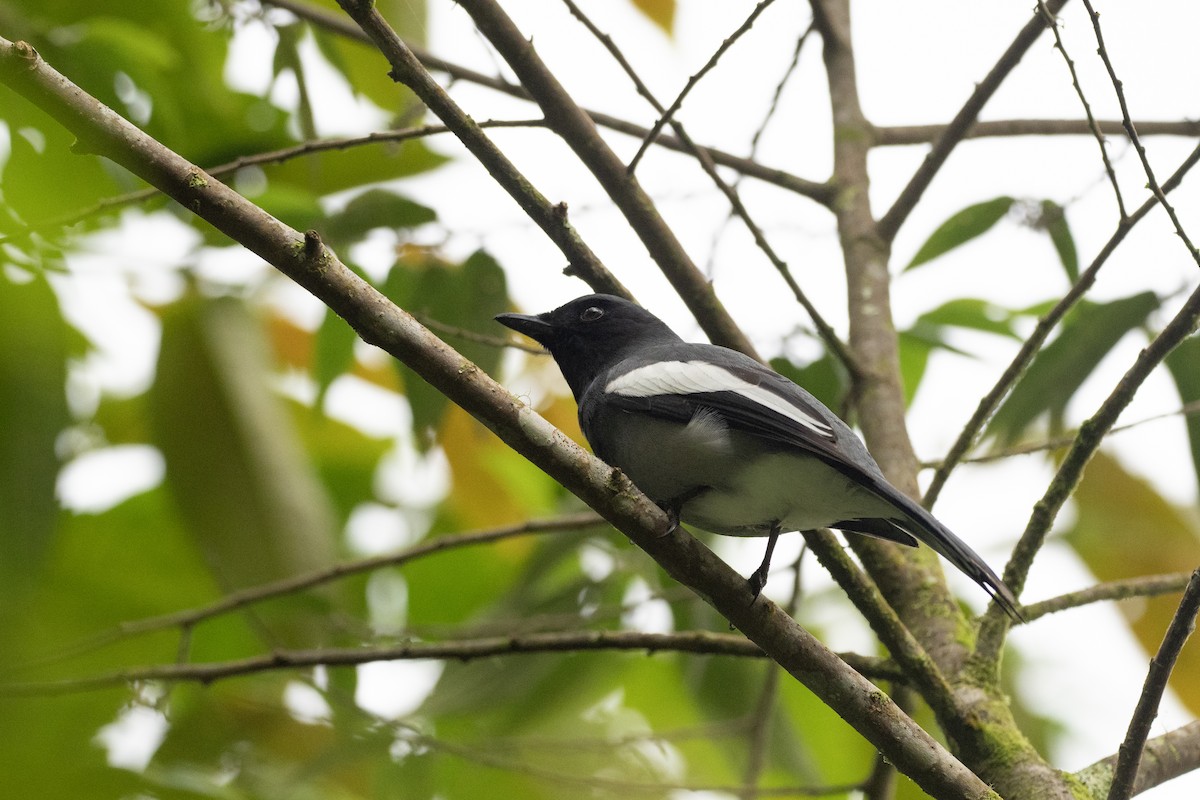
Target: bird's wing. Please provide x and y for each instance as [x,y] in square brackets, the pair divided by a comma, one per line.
[747,396]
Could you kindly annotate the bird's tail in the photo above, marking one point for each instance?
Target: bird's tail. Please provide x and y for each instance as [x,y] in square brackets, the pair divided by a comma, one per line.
[926,528]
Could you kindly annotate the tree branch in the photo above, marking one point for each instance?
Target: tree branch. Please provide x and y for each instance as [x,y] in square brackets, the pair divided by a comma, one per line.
[269,157]
[819,192]
[911,580]
[1146,586]
[835,345]
[243,598]
[1127,121]
[570,122]
[668,114]
[1029,348]
[889,223]
[898,135]
[306,260]
[1091,434]
[1129,755]
[1165,757]
[551,218]
[703,642]
[1052,22]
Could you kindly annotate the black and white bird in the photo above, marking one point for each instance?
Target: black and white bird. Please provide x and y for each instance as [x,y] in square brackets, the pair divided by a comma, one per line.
[723,443]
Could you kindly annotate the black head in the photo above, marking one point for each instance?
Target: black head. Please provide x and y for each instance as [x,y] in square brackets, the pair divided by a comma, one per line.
[590,333]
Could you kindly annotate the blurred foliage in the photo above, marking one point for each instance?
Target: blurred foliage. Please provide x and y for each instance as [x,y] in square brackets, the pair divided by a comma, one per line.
[1126,529]
[267,475]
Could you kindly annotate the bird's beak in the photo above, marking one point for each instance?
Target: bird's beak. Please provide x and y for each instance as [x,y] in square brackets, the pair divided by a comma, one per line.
[535,327]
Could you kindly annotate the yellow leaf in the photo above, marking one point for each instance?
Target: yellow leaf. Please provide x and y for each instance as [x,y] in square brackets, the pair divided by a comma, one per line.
[660,12]
[1126,529]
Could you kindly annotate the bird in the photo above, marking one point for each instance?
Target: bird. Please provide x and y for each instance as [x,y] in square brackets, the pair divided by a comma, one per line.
[723,443]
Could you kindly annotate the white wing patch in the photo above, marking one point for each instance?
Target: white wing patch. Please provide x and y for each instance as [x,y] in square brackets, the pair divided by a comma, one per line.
[695,377]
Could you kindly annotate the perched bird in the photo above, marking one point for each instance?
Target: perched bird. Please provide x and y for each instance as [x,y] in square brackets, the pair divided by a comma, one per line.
[723,443]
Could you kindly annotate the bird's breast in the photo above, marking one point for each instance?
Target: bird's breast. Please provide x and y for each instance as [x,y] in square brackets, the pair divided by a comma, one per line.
[730,482]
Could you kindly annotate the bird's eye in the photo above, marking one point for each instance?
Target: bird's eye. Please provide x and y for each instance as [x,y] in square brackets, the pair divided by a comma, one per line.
[591,314]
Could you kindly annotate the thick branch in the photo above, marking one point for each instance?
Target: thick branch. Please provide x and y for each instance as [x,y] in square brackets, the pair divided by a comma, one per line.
[307,261]
[910,579]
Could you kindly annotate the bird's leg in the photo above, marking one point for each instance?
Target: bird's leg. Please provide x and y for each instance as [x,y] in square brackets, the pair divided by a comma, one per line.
[674,506]
[758,578]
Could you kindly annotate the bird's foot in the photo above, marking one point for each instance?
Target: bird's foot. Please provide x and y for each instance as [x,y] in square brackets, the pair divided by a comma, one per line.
[756,582]
[672,512]
[758,578]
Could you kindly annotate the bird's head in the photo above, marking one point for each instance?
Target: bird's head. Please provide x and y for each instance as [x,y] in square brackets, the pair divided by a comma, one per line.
[590,333]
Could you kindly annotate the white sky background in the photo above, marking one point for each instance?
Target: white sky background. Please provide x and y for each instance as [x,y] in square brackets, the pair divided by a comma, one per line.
[917,63]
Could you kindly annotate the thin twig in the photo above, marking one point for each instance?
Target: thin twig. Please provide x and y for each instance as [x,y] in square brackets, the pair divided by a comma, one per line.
[835,345]
[578,131]
[1146,586]
[1052,23]
[550,217]
[1127,120]
[591,783]
[964,120]
[479,338]
[1130,753]
[756,139]
[261,159]
[1064,441]
[819,192]
[760,722]
[665,116]
[1021,361]
[901,135]
[726,644]
[1091,434]
[1164,757]
[243,598]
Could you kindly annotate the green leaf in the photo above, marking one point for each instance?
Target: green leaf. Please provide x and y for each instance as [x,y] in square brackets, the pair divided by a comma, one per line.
[1062,366]
[1184,366]
[243,485]
[465,298]
[973,314]
[1054,221]
[333,353]
[376,208]
[825,379]
[961,228]
[33,412]
[363,68]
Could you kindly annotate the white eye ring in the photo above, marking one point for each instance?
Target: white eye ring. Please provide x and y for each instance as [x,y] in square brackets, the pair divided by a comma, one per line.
[591,314]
